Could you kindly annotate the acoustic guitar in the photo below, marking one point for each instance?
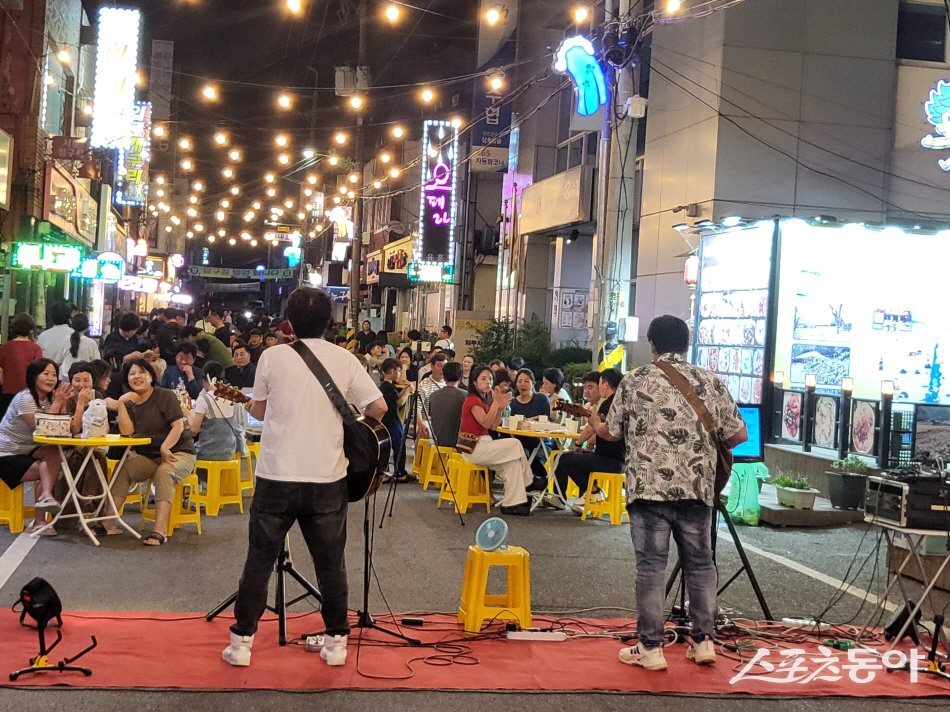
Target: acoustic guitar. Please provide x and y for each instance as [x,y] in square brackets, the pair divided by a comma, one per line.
[366,445]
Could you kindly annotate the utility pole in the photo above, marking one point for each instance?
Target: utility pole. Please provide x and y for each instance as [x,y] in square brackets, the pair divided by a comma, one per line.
[356,252]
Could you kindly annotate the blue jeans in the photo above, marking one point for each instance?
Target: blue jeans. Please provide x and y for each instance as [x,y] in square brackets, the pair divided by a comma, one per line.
[690,523]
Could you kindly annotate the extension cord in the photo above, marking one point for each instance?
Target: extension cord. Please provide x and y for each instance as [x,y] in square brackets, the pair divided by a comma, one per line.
[799,622]
[314,643]
[540,635]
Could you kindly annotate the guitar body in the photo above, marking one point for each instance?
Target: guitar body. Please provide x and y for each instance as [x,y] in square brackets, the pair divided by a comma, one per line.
[367,448]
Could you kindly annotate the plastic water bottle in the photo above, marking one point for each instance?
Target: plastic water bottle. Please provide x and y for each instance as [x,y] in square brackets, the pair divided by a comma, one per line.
[506,416]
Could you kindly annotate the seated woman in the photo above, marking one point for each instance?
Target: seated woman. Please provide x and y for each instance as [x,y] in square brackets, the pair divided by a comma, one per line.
[529,404]
[217,423]
[481,412]
[20,459]
[552,382]
[148,411]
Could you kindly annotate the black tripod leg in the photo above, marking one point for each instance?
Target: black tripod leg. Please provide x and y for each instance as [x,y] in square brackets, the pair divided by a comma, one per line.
[310,589]
[219,609]
[746,566]
[280,599]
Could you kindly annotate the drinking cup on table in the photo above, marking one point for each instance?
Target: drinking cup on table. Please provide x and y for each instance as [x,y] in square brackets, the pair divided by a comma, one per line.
[542,418]
[570,425]
[514,422]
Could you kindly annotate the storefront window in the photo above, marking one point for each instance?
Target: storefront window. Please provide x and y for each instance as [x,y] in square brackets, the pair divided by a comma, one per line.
[922,30]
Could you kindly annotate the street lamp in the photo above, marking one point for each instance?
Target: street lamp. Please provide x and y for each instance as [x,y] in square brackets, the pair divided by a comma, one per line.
[392,12]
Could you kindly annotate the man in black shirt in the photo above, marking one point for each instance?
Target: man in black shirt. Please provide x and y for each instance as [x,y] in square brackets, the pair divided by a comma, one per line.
[242,373]
[445,407]
[123,343]
[608,456]
[394,400]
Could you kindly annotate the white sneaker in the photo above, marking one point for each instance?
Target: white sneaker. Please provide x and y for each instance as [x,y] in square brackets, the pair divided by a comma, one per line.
[577,506]
[598,496]
[238,653]
[647,658]
[334,649]
[702,653]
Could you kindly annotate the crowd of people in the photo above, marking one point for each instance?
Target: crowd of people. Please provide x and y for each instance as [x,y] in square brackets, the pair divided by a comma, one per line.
[156,376]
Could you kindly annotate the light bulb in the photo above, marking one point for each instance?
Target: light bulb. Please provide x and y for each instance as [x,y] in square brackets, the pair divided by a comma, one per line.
[210,92]
[343,189]
[219,215]
[193,199]
[353,177]
[285,101]
[309,153]
[385,157]
[160,180]
[496,82]
[184,144]
[356,102]
[333,160]
[224,203]
[63,56]
[288,203]
[392,12]
[187,165]
[281,140]
[394,173]
[159,131]
[269,177]
[283,159]
[235,190]
[398,131]
[312,179]
[427,95]
[211,238]
[351,195]
[234,154]
[87,110]
[377,185]
[673,5]
[271,192]
[340,138]
[256,205]
[493,16]
[227,172]
[581,14]
[221,138]
[295,6]
[253,243]
[198,185]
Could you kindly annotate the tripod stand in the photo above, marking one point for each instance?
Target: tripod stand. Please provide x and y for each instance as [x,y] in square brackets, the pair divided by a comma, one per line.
[283,566]
[678,613]
[363,617]
[41,664]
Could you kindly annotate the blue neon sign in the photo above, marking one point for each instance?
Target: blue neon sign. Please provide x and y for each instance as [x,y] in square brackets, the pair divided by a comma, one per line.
[576,58]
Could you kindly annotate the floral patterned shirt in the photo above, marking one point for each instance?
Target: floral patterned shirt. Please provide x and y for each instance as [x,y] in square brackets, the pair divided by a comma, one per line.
[670,457]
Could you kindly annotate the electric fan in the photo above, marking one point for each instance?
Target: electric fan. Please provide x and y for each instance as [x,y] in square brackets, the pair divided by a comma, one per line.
[492,534]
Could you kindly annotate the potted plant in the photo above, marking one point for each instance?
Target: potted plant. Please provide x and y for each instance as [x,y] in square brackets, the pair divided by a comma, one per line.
[846,483]
[795,492]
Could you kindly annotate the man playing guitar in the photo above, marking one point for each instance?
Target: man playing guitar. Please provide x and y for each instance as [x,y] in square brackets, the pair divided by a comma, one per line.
[302,472]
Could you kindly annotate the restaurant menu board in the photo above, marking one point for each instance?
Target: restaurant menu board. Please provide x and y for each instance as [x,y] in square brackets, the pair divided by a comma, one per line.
[867,304]
[732,308]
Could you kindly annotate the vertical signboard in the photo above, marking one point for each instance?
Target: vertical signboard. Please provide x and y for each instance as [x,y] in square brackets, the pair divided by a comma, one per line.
[160,79]
[491,114]
[433,258]
[116,63]
[6,168]
[131,185]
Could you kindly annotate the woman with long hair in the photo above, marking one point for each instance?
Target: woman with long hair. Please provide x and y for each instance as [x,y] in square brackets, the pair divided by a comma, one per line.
[20,458]
[81,347]
[481,412]
[530,404]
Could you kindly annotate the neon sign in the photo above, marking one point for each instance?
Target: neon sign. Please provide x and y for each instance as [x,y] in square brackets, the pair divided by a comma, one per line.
[116,59]
[576,58]
[433,257]
[132,163]
[937,109]
[53,258]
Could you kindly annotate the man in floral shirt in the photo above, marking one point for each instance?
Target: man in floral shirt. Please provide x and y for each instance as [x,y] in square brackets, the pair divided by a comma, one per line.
[671,471]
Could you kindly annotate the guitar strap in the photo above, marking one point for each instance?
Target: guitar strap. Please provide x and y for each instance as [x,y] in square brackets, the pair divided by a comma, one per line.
[325,380]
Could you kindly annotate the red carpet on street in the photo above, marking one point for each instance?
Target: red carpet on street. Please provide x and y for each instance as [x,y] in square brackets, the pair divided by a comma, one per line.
[182,651]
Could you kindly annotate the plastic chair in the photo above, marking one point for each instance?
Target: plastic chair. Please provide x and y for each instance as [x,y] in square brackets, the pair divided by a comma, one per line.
[13,512]
[185,509]
[614,504]
[418,455]
[251,458]
[223,486]
[432,472]
[468,484]
[477,606]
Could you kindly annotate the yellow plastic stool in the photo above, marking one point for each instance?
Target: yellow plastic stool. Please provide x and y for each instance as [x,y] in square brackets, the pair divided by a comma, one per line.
[12,511]
[469,483]
[253,455]
[135,493]
[431,472]
[223,486]
[418,455]
[614,506]
[477,605]
[185,509]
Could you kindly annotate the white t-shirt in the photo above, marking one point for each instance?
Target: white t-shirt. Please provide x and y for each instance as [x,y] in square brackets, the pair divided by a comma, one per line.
[55,341]
[302,439]
[87,351]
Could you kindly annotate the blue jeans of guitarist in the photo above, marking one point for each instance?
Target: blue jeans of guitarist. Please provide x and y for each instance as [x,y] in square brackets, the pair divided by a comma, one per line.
[320,510]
